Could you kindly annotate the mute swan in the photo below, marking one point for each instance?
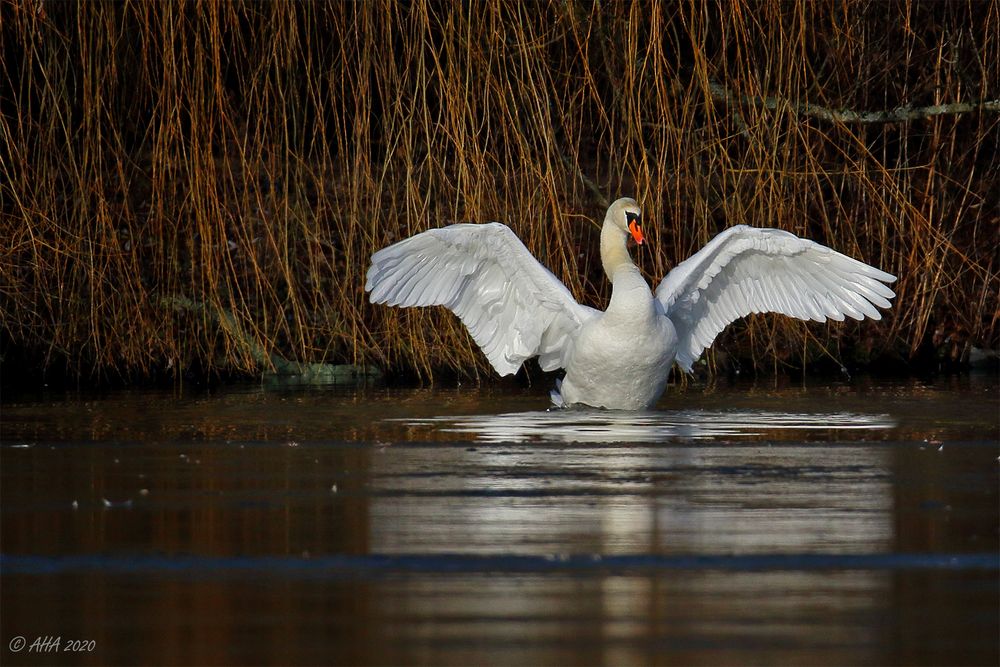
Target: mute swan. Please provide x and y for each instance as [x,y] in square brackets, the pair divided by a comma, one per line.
[516,309]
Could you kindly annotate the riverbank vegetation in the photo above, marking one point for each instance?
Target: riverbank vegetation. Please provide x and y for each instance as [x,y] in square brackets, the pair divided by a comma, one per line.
[199,186]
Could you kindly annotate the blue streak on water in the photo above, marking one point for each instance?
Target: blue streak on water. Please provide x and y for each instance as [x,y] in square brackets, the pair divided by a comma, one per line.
[379,564]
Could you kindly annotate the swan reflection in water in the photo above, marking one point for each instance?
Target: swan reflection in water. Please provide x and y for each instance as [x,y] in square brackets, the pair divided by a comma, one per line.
[587,425]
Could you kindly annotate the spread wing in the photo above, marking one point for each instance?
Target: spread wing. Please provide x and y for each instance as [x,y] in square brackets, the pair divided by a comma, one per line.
[513,306]
[746,270]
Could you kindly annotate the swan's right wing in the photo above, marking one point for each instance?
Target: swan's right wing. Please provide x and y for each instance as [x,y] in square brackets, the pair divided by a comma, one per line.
[513,306]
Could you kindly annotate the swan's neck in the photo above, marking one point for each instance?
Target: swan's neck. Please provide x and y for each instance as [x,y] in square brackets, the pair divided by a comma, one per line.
[614,253]
[631,301]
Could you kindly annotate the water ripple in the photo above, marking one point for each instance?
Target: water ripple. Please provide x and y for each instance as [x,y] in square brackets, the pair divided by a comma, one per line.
[611,426]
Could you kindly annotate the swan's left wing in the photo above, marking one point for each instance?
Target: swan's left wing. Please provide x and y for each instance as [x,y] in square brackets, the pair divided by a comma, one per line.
[747,270]
[513,306]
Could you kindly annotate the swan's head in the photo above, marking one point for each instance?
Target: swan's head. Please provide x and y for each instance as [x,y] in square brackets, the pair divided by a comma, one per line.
[626,215]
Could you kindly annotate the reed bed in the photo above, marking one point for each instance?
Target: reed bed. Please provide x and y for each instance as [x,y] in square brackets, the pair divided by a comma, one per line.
[198,186]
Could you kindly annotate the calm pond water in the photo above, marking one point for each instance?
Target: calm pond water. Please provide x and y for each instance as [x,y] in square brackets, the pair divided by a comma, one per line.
[847,523]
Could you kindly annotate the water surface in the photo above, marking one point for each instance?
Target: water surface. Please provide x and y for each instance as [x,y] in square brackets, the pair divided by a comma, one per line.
[832,523]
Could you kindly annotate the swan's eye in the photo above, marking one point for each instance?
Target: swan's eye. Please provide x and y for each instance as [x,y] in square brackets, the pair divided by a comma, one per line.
[631,217]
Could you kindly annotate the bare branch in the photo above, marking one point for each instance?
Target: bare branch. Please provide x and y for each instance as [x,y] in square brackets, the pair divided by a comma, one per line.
[900,114]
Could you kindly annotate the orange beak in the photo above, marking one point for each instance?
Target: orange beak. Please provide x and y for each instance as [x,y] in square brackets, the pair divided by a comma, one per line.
[636,231]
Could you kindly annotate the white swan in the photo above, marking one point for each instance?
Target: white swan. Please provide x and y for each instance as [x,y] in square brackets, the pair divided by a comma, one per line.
[516,309]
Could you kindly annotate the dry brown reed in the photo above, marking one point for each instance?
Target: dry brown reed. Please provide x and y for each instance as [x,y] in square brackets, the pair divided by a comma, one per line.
[248,158]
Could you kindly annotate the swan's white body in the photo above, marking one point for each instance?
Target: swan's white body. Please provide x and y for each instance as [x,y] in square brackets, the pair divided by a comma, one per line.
[516,309]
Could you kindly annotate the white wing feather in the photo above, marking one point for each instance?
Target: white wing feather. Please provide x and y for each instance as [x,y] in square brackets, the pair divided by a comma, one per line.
[746,270]
[513,306]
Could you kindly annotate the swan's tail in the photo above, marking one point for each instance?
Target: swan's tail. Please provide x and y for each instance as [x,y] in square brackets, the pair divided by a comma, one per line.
[557,399]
